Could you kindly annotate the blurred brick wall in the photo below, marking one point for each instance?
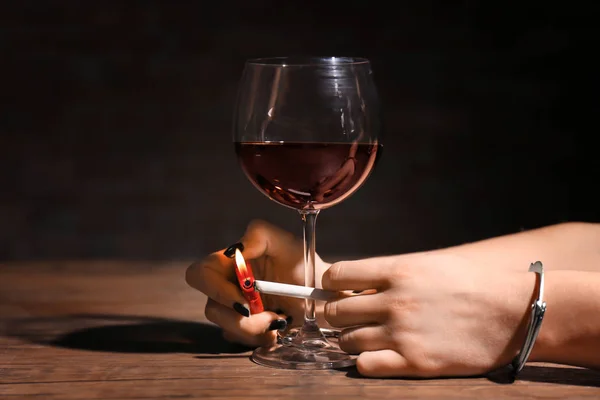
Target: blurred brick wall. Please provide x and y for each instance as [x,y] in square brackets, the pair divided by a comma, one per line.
[116,118]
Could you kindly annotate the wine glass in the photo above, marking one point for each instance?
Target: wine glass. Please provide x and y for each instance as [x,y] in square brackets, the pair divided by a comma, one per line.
[306,133]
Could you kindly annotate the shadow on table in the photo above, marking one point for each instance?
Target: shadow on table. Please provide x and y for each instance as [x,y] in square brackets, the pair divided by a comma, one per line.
[531,373]
[562,375]
[124,334]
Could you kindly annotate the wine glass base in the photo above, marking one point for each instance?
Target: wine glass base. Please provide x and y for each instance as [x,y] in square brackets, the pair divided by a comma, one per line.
[294,351]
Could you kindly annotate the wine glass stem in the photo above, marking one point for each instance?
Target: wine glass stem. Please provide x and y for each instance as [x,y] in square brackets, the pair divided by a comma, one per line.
[309,220]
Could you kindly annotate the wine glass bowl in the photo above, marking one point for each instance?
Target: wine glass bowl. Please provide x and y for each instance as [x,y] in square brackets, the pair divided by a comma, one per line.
[305,175]
[307,135]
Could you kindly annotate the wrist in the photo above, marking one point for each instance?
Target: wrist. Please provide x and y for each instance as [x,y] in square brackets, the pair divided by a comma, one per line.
[570,332]
[554,334]
[525,287]
[558,333]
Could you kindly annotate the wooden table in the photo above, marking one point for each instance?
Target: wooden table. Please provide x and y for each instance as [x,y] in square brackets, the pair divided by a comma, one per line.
[135,330]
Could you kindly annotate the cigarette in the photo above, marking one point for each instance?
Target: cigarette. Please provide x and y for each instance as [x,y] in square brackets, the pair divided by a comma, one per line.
[302,292]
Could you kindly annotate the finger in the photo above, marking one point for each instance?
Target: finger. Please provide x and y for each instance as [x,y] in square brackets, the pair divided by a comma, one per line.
[353,150]
[364,338]
[211,277]
[346,171]
[262,238]
[371,273]
[355,310]
[257,330]
[383,364]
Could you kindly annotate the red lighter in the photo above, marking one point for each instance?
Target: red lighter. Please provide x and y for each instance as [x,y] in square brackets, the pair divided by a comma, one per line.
[245,278]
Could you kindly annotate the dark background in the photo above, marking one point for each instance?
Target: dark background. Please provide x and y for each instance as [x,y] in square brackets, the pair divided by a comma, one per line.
[115,122]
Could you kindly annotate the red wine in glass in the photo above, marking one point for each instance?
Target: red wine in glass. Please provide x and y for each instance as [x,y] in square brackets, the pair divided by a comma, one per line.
[307,175]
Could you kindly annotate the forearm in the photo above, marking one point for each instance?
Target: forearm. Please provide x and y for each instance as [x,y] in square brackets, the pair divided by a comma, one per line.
[567,246]
[570,332]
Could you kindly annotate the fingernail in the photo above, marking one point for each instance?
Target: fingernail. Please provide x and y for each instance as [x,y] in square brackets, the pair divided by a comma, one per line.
[241,309]
[354,291]
[277,325]
[279,311]
[289,320]
[230,251]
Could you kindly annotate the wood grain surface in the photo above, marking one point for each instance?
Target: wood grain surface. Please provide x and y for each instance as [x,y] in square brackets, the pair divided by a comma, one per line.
[135,330]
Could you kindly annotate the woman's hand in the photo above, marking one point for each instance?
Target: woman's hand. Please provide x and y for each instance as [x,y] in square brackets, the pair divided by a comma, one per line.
[433,314]
[275,255]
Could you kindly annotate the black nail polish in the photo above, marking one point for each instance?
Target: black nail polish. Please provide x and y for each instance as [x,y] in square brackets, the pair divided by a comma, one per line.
[230,251]
[289,320]
[277,325]
[354,291]
[241,309]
